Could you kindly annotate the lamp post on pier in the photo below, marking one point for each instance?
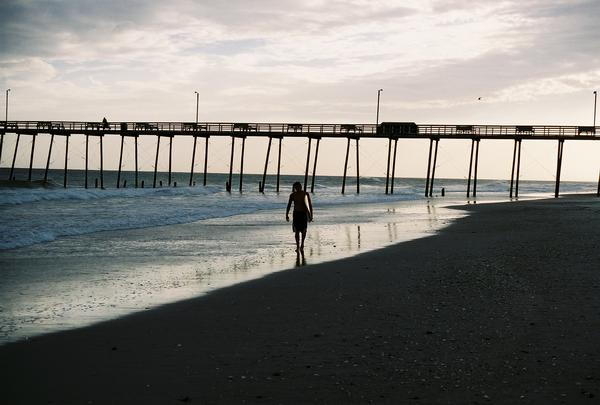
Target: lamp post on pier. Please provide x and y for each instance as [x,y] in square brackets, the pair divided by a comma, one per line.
[5,125]
[595,100]
[197,102]
[6,116]
[378,96]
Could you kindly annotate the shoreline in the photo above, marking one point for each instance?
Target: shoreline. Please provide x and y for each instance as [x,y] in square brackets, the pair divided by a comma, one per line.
[177,262]
[499,306]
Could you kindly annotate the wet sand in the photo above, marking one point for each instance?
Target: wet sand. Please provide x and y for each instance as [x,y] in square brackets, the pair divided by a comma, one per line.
[501,307]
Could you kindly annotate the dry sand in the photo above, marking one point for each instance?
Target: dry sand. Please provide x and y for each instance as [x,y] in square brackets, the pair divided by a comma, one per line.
[502,307]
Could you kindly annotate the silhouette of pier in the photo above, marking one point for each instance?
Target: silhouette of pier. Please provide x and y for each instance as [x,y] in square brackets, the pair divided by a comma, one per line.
[393,131]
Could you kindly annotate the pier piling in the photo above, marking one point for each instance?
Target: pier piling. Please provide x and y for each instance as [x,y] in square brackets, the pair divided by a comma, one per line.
[231,163]
[193,158]
[120,162]
[314,174]
[518,169]
[357,169]
[387,172]
[345,167]
[156,162]
[261,187]
[512,172]
[278,164]
[66,159]
[170,157]
[308,162]
[433,168]
[101,162]
[558,167]
[476,166]
[205,158]
[136,160]
[48,160]
[242,163]
[394,166]
[87,142]
[428,167]
[12,167]
[470,168]
[31,158]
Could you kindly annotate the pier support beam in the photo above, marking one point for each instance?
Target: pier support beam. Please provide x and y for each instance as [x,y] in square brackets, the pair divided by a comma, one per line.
[345,167]
[136,161]
[120,162]
[278,163]
[156,162]
[433,168]
[357,168]
[394,165]
[264,178]
[470,168]
[476,166]
[87,142]
[193,159]
[514,176]
[512,172]
[205,159]
[231,163]
[308,162]
[66,160]
[558,167]
[518,170]
[387,172]
[12,166]
[31,158]
[473,165]
[170,157]
[48,160]
[242,163]
[428,167]
[314,174]
[101,162]
[1,145]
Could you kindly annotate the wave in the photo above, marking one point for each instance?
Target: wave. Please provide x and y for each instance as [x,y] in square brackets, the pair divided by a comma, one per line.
[32,216]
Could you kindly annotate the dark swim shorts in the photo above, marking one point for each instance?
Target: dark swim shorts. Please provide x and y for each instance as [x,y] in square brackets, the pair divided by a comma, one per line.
[300,221]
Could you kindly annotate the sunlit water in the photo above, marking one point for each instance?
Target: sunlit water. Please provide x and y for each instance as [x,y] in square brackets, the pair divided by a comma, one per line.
[73,257]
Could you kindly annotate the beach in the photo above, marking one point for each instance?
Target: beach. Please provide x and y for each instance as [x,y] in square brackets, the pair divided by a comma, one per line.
[499,307]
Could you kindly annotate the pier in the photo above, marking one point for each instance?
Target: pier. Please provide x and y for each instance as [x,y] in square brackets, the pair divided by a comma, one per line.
[353,133]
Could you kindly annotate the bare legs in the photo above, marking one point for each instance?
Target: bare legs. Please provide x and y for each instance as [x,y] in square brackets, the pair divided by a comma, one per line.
[300,247]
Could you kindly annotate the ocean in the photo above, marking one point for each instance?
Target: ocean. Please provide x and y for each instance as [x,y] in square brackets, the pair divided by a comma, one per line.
[72,257]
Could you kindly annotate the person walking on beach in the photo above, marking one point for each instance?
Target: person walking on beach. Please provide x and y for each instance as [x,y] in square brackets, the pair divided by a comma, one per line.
[302,215]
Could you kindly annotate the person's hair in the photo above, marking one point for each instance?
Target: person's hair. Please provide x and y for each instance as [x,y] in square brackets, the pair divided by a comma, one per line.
[297,185]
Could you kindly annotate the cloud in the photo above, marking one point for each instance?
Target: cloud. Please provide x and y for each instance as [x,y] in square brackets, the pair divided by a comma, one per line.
[434,54]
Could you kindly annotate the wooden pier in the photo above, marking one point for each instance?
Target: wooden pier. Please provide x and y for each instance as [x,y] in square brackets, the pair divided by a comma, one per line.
[393,131]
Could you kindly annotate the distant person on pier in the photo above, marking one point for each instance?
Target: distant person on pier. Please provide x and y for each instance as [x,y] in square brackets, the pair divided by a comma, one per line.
[302,215]
[104,123]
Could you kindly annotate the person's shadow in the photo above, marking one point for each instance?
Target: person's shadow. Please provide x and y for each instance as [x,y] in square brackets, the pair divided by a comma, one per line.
[300,260]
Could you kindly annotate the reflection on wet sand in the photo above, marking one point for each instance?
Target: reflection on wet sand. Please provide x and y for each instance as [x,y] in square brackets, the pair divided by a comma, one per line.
[300,260]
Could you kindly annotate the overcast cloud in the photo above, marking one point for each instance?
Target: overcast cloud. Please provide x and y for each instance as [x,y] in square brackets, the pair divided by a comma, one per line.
[302,60]
[427,54]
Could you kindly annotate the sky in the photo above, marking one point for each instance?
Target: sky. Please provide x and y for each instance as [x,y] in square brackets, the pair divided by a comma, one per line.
[438,62]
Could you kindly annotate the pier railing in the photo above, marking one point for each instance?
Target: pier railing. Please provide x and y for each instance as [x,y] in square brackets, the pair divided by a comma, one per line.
[303,129]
